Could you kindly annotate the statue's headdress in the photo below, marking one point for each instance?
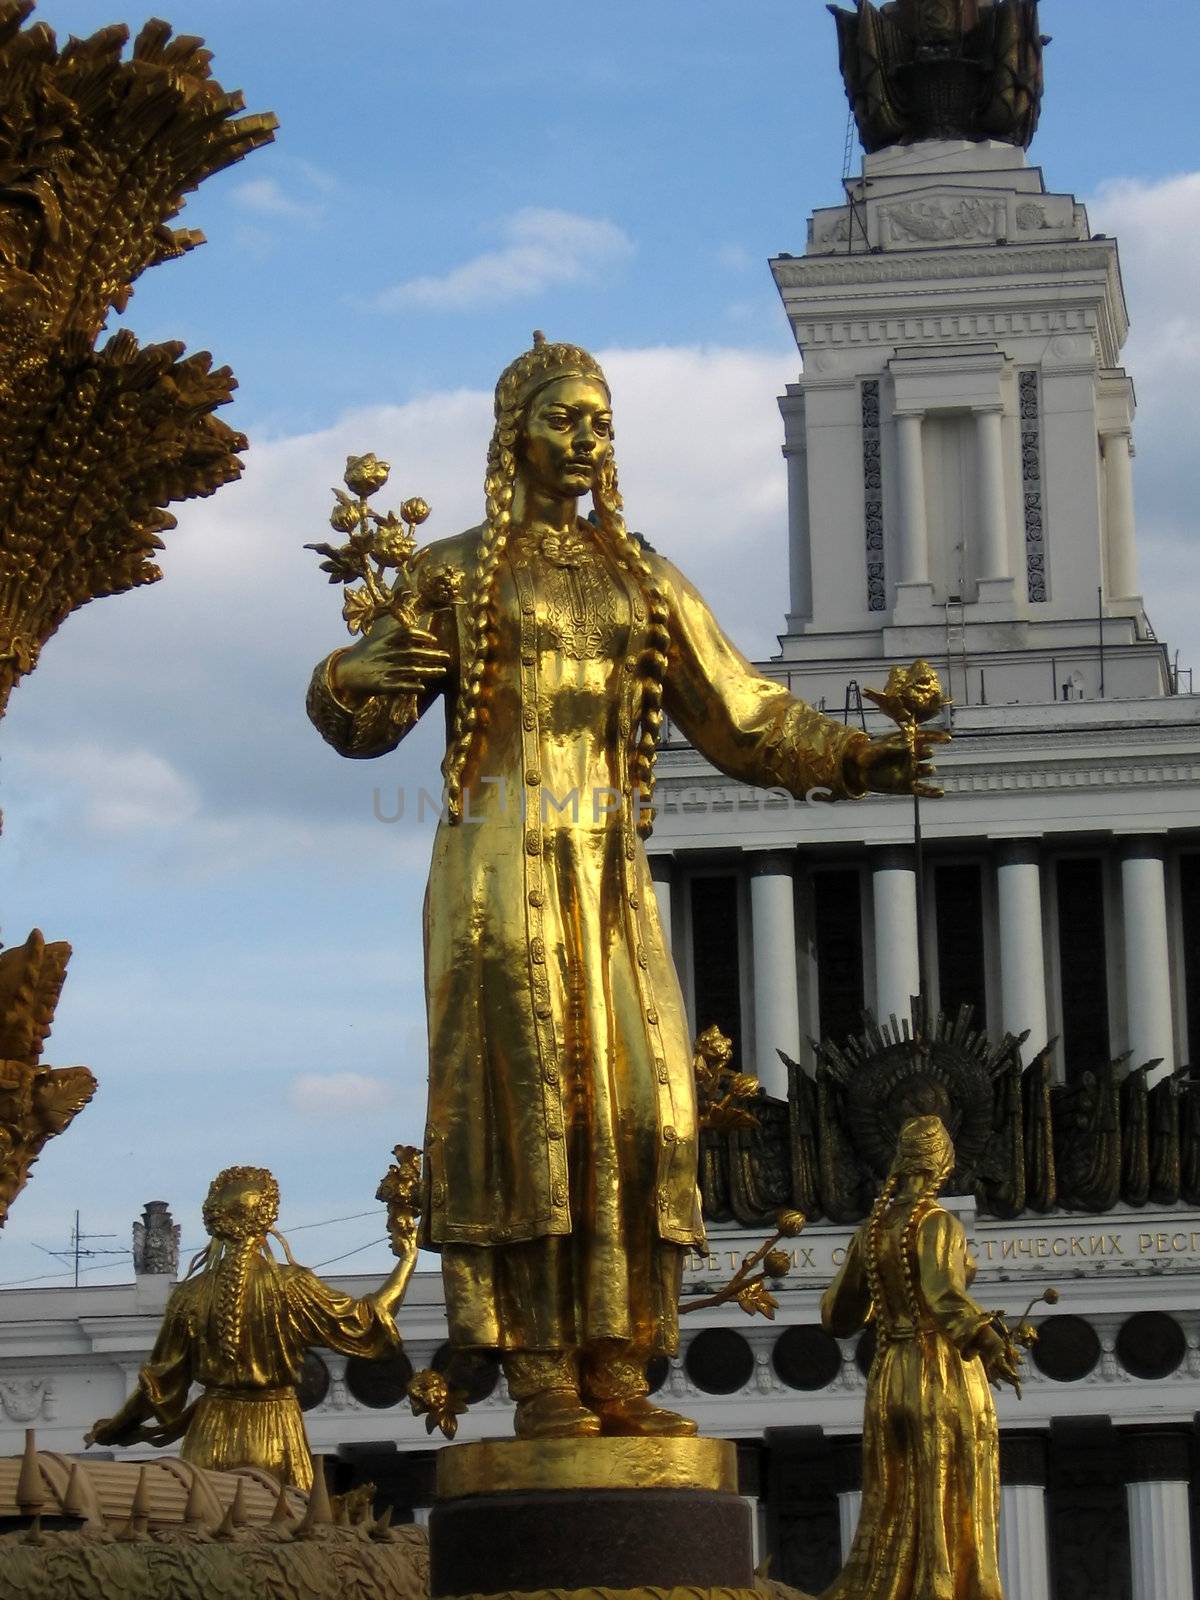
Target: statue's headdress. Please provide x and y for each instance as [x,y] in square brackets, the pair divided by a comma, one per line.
[235,1222]
[539,366]
[924,1146]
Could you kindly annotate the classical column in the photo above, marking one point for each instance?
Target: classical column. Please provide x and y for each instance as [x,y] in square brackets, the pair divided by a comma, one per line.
[795,453]
[1024,1547]
[894,893]
[914,530]
[1157,1471]
[847,1485]
[661,872]
[776,981]
[1147,957]
[1118,478]
[992,511]
[1022,958]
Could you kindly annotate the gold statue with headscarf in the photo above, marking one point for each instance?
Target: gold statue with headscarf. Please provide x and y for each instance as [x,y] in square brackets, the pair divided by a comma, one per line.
[239,1325]
[561,1143]
[931,1446]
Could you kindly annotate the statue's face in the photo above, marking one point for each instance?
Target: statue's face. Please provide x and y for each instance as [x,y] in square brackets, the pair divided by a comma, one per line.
[567,435]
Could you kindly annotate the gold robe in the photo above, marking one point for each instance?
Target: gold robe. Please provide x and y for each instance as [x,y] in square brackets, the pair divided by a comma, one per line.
[249,1413]
[930,1513]
[562,1133]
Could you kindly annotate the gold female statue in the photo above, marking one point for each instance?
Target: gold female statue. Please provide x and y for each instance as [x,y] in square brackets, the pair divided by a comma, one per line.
[239,1327]
[931,1447]
[561,1144]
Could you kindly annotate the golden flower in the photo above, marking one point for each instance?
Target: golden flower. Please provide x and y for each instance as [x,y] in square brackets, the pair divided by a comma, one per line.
[432,1397]
[438,586]
[365,474]
[391,546]
[344,518]
[358,611]
[776,1263]
[415,511]
[791,1223]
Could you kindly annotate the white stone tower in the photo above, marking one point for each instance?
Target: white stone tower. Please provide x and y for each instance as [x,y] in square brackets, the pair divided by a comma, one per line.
[959,444]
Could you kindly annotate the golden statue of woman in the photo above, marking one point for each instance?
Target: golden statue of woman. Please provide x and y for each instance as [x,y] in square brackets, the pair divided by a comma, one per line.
[931,1447]
[561,1144]
[239,1327]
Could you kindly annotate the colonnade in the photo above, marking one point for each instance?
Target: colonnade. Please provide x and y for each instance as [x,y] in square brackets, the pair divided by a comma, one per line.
[1156,1467]
[1021,890]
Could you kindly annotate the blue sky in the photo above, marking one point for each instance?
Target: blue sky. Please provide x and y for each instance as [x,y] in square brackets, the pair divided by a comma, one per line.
[448,175]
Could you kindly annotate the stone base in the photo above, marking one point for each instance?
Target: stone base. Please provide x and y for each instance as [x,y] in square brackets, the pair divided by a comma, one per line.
[588,1514]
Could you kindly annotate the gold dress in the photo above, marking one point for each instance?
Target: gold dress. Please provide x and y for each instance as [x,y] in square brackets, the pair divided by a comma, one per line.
[931,1487]
[561,1144]
[249,1412]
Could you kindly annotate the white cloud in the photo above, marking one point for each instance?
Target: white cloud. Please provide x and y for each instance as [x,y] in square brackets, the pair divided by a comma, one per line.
[339,1094]
[1157,226]
[540,249]
[115,792]
[266,197]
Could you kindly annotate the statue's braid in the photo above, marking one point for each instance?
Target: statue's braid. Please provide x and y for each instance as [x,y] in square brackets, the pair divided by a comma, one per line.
[652,664]
[470,711]
[232,1274]
[871,1242]
[908,1246]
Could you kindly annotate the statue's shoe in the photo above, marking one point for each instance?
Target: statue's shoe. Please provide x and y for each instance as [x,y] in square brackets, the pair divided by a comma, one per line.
[555,1414]
[635,1415]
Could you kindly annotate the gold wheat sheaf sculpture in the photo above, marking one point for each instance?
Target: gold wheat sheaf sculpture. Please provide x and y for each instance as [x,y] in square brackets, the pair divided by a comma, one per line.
[97,151]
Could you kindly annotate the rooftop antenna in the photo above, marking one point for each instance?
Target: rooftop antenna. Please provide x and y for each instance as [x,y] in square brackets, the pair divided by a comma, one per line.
[76,1251]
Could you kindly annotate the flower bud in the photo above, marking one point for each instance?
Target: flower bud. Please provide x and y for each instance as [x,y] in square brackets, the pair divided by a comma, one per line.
[344,518]
[365,474]
[415,511]
[776,1263]
[791,1223]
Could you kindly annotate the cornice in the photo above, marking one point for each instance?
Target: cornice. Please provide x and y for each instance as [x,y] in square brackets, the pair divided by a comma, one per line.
[992,261]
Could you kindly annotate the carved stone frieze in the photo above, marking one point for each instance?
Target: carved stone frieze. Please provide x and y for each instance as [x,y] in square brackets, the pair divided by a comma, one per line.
[940,221]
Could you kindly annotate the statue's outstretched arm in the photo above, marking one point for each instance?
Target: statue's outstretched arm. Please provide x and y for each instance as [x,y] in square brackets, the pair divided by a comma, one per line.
[749,726]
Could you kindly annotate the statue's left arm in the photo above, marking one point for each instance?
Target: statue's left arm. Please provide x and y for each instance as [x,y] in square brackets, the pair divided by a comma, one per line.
[942,1266]
[846,1304]
[323,1315]
[748,725]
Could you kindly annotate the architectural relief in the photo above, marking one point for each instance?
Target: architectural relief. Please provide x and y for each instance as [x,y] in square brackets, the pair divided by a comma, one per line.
[24,1400]
[1031,484]
[873,496]
[944,221]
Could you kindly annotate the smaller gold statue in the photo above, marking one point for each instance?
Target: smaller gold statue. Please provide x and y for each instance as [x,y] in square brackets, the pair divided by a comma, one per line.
[239,1326]
[931,1445]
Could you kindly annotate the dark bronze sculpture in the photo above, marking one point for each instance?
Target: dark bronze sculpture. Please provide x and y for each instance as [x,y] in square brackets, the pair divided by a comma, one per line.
[942,69]
[1023,1144]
